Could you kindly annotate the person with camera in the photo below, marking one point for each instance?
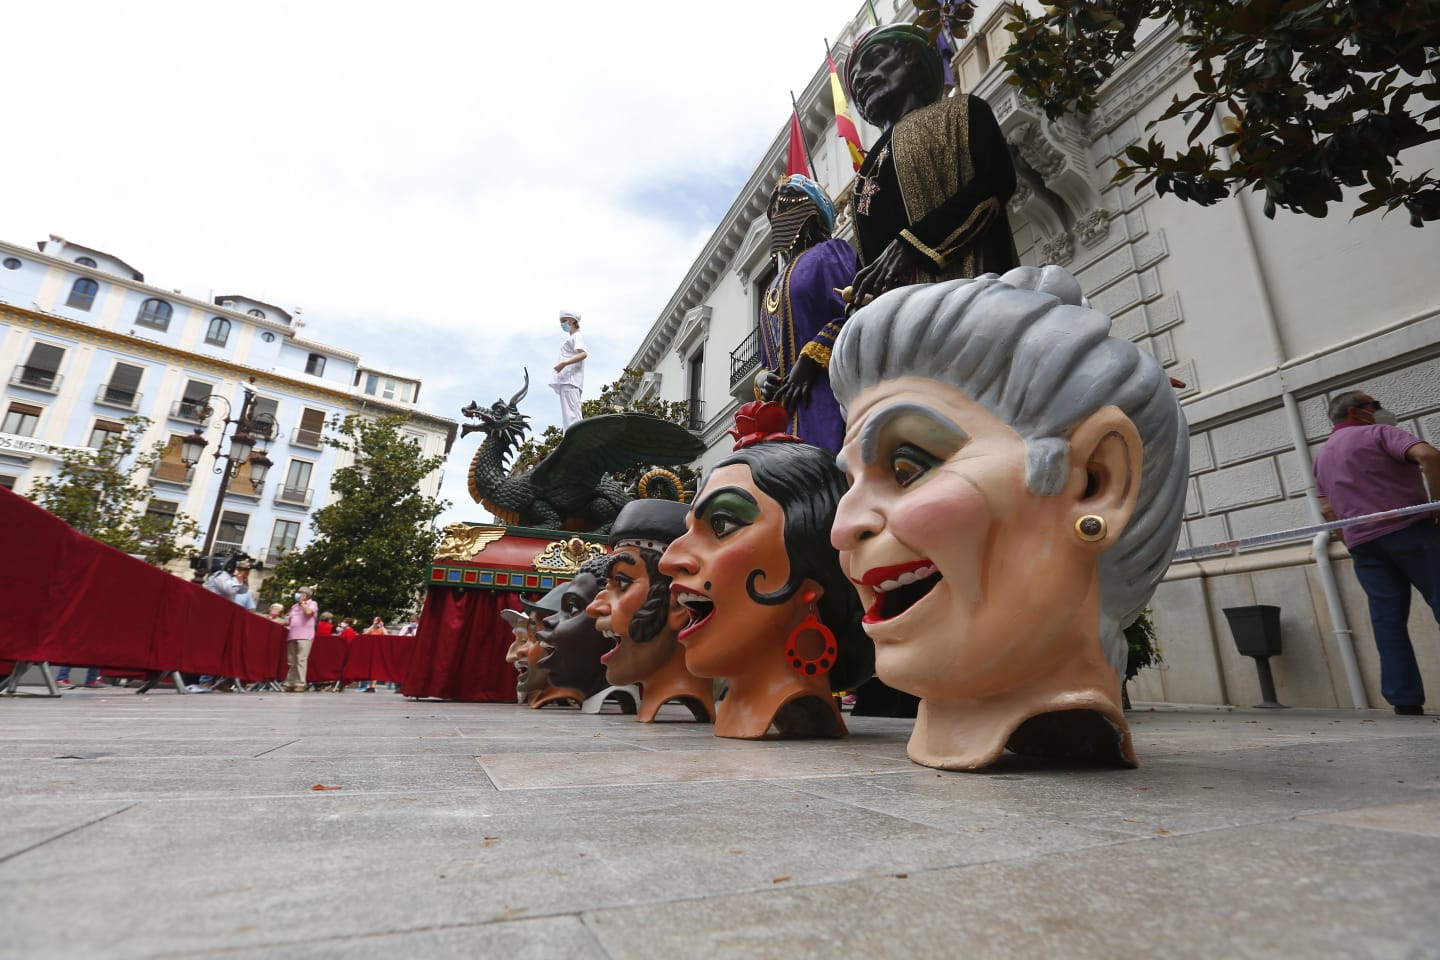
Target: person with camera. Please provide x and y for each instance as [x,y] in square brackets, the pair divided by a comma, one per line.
[299,639]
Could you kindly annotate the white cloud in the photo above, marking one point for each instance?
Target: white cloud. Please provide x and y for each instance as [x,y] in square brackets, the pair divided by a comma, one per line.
[430,182]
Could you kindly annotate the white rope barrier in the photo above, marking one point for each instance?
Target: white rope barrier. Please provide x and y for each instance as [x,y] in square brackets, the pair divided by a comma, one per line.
[1301,533]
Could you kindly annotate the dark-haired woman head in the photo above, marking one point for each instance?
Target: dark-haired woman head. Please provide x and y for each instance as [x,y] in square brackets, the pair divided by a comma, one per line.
[757,572]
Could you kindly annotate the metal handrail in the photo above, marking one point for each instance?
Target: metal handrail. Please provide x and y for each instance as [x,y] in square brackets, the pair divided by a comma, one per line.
[745,357]
[35,378]
[124,399]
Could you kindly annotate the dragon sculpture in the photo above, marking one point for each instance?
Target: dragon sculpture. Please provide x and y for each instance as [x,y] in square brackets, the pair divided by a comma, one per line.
[570,488]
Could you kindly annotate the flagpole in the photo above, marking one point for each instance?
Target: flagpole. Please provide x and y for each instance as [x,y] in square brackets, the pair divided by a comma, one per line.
[803,141]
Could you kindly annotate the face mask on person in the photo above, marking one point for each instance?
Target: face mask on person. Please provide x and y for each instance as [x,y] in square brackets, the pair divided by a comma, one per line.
[297,597]
[1386,417]
[565,325]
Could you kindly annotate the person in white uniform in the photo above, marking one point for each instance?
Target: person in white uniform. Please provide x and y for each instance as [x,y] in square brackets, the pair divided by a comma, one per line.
[569,377]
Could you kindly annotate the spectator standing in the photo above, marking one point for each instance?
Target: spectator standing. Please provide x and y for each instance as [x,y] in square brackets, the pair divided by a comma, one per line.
[277,613]
[299,639]
[92,678]
[325,627]
[231,582]
[377,627]
[569,378]
[1369,465]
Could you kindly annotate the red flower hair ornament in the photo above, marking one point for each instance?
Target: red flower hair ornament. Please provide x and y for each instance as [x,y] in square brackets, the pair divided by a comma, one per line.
[761,421]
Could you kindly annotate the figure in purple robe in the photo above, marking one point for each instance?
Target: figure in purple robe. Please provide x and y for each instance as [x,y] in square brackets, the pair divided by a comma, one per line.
[802,310]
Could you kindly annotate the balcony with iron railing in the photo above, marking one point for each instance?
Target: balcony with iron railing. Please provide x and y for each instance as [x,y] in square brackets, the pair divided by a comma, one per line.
[173,473]
[35,378]
[310,439]
[189,411]
[112,396]
[695,420]
[293,496]
[745,359]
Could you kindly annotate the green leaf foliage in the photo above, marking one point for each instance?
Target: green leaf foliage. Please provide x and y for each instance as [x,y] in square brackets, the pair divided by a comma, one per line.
[1144,648]
[94,490]
[373,546]
[1312,96]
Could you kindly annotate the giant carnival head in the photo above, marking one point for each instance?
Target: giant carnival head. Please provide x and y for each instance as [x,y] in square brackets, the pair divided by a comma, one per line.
[891,70]
[569,634]
[756,572]
[1017,478]
[634,609]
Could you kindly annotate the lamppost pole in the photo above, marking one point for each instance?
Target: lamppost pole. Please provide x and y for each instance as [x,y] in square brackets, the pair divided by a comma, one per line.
[249,428]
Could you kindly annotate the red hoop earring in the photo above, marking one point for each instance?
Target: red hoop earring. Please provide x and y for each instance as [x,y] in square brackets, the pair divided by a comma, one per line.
[820,656]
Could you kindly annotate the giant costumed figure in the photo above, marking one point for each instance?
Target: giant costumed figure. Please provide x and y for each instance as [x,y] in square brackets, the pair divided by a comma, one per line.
[930,197]
[1017,483]
[803,311]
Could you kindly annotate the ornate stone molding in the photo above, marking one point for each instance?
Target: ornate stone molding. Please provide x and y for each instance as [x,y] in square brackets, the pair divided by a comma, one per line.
[694,331]
[1093,226]
[1058,249]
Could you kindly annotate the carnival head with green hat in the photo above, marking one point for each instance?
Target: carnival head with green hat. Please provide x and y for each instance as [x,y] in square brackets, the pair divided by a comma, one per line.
[889,62]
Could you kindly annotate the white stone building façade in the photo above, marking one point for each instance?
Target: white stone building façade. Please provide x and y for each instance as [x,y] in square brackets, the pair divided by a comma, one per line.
[85,342]
[1264,320]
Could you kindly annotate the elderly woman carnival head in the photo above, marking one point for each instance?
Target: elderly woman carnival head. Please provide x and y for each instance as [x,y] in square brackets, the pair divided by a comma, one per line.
[1017,481]
[769,607]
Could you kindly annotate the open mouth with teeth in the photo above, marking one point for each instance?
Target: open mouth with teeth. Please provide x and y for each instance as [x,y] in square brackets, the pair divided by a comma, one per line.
[700,607]
[898,588]
[613,636]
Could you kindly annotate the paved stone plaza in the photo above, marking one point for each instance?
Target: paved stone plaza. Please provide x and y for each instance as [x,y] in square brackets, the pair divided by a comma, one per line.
[170,826]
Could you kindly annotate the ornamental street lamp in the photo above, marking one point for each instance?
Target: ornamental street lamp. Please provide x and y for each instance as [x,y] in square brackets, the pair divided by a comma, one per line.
[247,448]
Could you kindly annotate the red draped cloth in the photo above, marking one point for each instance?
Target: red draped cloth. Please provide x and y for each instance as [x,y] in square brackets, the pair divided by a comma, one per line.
[71,600]
[382,657]
[327,660]
[459,651]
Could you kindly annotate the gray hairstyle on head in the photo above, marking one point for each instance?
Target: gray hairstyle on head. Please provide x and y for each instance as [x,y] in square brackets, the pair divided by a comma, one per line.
[1340,405]
[1024,347]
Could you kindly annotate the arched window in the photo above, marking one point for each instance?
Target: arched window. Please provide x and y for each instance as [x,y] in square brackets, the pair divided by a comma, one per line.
[82,293]
[86,262]
[256,312]
[154,313]
[218,332]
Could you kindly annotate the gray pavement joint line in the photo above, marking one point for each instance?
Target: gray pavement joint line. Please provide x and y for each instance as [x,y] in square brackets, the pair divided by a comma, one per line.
[273,749]
[65,833]
[251,948]
[488,779]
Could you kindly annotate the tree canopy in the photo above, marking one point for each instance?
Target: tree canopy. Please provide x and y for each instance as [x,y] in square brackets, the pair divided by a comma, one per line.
[95,492]
[373,546]
[1312,97]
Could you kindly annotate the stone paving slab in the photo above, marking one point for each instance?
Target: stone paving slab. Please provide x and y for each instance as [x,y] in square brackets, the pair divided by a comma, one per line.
[188,827]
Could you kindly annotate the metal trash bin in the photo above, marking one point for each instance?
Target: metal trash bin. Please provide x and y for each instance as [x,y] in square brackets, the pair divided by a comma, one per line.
[1257,634]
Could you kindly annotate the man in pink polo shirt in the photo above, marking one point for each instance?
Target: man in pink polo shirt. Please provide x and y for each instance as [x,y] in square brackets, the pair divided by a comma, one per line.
[1367,466]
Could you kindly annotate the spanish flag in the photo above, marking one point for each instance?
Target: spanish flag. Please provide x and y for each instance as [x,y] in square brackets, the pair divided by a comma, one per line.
[844,126]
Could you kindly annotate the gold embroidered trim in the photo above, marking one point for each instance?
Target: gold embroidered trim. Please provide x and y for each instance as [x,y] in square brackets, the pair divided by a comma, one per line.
[920,247]
[816,352]
[932,155]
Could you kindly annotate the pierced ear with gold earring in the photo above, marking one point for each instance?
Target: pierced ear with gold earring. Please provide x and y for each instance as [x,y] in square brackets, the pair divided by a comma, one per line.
[1091,528]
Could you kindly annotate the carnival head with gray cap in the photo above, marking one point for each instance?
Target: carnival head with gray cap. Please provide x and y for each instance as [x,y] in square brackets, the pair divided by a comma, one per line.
[1024,347]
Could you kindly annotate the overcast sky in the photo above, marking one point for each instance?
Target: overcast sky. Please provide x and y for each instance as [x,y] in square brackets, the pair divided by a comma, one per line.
[431,182]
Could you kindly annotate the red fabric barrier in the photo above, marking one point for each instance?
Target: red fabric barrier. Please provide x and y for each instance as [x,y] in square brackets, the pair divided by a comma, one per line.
[327,660]
[74,601]
[459,652]
[381,657]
